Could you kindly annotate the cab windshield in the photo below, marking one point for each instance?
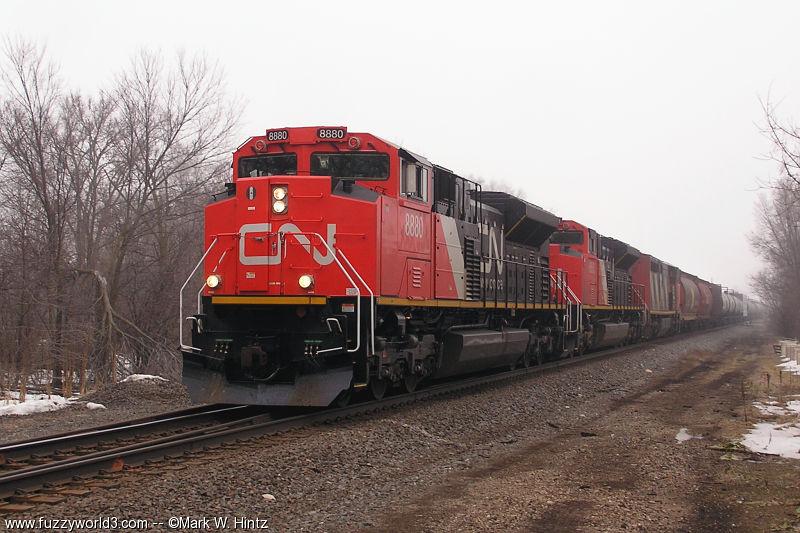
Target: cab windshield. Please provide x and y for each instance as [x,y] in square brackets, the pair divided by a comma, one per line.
[268,165]
[358,166]
[567,237]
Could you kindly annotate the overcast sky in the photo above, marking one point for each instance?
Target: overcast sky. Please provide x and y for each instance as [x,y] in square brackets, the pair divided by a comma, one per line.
[639,119]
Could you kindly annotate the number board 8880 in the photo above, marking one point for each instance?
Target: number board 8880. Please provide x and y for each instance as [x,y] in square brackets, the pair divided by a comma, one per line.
[332,134]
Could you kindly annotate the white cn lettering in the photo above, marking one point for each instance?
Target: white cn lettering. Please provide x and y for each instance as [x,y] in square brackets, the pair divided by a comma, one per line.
[275,257]
[495,250]
[245,259]
[302,238]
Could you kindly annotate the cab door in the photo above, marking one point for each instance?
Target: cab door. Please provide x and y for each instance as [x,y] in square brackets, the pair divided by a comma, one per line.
[415,231]
[258,248]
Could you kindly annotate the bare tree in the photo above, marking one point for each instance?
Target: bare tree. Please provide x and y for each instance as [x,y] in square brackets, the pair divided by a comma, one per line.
[173,140]
[20,308]
[778,239]
[785,138]
[101,209]
[31,139]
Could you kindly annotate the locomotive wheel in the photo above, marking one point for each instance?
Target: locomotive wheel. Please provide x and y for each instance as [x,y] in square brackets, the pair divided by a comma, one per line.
[526,359]
[410,382]
[377,388]
[539,355]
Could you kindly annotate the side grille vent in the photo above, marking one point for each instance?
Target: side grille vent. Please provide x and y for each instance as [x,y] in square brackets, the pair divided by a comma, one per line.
[538,279]
[472,264]
[416,277]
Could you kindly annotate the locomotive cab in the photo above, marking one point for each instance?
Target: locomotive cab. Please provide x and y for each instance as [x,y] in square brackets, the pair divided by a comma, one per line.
[613,303]
[291,258]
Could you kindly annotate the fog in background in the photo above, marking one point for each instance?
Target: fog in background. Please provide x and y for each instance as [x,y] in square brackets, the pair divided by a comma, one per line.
[639,119]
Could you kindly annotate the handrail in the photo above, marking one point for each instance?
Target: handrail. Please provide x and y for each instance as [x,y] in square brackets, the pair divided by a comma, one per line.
[635,286]
[349,278]
[180,298]
[564,287]
[371,301]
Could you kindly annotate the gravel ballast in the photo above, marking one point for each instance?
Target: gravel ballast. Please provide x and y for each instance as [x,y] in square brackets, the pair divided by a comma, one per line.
[355,474]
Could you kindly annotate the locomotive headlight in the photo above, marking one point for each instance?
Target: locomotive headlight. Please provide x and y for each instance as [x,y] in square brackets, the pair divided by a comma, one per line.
[279,207]
[213,281]
[306,281]
[280,199]
[279,193]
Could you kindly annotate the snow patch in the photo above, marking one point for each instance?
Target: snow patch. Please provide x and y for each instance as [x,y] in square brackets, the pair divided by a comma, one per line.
[791,366]
[767,409]
[793,405]
[94,406]
[774,439]
[684,435]
[34,403]
[143,377]
[777,439]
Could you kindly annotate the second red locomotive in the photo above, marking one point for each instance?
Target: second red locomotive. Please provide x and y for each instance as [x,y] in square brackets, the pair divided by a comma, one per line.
[339,261]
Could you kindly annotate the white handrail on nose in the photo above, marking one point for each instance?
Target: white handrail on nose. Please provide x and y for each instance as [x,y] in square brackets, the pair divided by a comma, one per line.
[180,299]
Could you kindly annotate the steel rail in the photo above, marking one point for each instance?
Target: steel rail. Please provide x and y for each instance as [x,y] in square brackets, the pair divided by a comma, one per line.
[70,442]
[262,425]
[114,459]
[110,429]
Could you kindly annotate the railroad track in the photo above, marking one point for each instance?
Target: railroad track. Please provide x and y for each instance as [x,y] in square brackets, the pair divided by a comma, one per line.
[45,482]
[34,462]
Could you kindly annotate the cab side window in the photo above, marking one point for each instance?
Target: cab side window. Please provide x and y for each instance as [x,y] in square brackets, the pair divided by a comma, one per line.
[414,181]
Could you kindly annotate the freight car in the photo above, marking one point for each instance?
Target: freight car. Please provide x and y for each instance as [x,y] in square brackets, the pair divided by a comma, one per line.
[337,261]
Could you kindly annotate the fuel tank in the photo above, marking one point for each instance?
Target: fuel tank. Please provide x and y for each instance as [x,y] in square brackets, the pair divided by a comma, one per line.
[609,333]
[473,350]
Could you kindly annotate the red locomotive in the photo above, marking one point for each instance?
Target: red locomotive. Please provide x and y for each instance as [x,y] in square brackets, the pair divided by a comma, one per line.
[339,261]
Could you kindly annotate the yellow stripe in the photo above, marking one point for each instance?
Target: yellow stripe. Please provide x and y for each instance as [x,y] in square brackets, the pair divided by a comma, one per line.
[663,313]
[388,300]
[462,304]
[269,300]
[613,308]
[515,226]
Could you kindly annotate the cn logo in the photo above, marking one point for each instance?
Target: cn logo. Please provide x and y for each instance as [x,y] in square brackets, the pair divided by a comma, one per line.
[292,231]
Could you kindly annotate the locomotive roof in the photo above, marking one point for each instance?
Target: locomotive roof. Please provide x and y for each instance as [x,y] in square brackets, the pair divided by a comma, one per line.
[625,255]
[408,154]
[526,223]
